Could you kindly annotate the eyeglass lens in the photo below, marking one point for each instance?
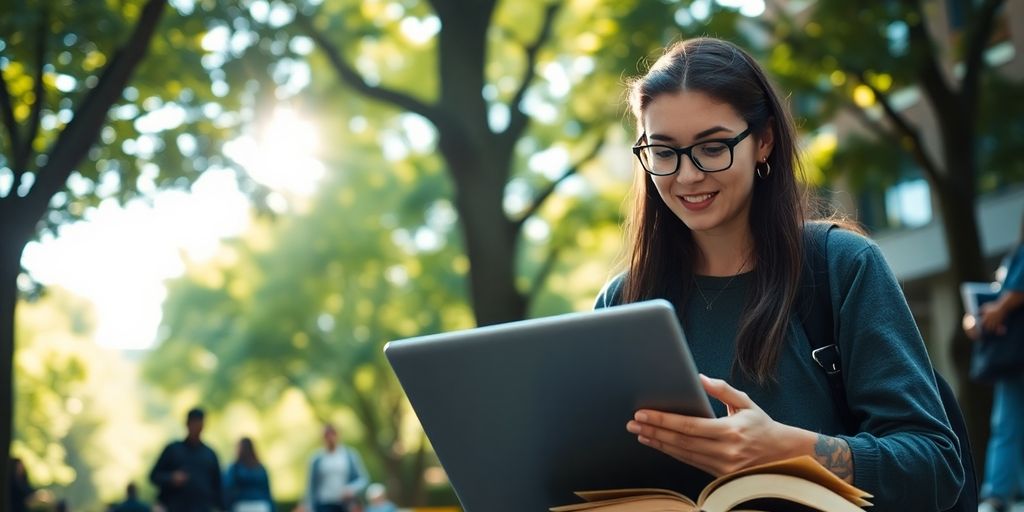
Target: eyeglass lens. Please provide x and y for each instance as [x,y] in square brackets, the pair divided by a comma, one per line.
[709,157]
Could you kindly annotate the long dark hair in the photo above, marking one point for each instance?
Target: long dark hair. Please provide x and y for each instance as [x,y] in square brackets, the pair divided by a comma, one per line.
[247,453]
[662,248]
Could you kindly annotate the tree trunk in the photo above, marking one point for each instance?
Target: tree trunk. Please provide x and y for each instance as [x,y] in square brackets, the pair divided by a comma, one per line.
[14,234]
[478,161]
[19,215]
[960,227]
[491,245]
[490,237]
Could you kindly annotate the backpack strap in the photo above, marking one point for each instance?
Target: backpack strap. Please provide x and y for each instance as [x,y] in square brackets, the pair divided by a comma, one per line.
[818,317]
[817,314]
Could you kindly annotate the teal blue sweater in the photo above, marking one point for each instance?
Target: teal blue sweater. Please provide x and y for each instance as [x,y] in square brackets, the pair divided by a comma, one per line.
[904,452]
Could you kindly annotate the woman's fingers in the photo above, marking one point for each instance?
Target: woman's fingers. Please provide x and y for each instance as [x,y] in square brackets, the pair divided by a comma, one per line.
[733,398]
[715,445]
[702,461]
[667,437]
[686,426]
[714,457]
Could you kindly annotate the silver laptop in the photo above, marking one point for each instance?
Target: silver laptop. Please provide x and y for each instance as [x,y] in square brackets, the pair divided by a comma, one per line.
[523,414]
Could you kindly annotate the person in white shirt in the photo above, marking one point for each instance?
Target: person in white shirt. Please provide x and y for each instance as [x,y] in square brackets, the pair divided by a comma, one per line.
[336,476]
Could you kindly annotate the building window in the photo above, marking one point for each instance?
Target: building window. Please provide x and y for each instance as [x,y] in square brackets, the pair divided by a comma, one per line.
[908,204]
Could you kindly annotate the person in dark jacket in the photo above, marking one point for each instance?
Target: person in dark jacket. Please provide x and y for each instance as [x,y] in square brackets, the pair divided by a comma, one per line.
[246,483]
[19,487]
[187,473]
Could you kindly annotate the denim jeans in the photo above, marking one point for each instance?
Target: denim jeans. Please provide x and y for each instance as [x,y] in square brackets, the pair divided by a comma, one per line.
[1004,467]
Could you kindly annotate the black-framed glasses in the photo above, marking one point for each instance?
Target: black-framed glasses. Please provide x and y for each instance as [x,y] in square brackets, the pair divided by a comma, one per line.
[708,156]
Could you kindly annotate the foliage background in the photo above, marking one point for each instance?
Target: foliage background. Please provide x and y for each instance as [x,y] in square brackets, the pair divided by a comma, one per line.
[282,329]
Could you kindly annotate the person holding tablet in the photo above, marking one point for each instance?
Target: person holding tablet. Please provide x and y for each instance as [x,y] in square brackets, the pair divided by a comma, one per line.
[717,229]
[1004,465]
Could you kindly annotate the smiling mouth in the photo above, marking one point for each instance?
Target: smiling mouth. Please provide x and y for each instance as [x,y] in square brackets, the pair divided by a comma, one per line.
[698,198]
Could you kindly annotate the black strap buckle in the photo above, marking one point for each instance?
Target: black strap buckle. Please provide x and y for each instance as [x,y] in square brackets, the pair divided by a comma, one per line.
[827,357]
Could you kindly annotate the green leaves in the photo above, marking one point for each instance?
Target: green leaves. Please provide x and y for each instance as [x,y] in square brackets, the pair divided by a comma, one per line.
[172,103]
[79,427]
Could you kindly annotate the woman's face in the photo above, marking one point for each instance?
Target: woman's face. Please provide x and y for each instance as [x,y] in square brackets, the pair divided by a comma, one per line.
[708,203]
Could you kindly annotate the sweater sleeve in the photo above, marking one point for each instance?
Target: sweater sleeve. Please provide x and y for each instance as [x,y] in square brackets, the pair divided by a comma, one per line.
[905,452]
[1014,280]
[611,293]
[311,484]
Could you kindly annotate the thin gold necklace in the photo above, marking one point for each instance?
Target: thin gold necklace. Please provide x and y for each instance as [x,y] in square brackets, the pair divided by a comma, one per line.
[708,303]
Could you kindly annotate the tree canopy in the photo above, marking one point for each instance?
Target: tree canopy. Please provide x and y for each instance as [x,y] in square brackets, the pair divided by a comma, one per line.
[102,102]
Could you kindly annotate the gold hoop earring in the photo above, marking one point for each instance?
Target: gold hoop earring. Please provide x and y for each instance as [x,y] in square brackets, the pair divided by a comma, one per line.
[763,172]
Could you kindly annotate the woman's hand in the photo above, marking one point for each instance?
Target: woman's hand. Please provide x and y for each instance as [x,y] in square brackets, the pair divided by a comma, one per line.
[746,437]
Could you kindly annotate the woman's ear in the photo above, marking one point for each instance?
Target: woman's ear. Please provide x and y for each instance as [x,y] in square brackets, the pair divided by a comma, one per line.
[766,140]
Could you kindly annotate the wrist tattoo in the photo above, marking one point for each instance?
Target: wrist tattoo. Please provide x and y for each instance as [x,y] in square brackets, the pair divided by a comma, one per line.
[834,454]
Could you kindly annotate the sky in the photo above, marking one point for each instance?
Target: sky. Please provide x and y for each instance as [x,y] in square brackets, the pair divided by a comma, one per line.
[120,256]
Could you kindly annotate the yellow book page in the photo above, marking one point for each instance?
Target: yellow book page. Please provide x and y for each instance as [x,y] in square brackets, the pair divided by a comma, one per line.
[727,496]
[646,503]
[804,467]
[607,494]
[598,500]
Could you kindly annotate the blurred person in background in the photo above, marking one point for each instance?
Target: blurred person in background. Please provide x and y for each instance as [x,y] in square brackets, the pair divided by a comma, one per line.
[187,473]
[1004,463]
[19,488]
[246,483]
[131,502]
[377,499]
[336,477]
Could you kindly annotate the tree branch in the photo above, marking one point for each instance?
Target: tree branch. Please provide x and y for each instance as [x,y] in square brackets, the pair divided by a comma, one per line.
[980,30]
[518,119]
[81,133]
[350,76]
[24,156]
[369,417]
[550,189]
[879,129]
[7,114]
[922,46]
[903,127]
[322,417]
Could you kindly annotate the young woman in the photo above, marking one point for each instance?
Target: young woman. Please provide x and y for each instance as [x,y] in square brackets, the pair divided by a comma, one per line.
[246,484]
[717,228]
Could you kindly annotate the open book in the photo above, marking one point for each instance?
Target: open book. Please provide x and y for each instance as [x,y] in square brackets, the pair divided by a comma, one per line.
[798,483]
